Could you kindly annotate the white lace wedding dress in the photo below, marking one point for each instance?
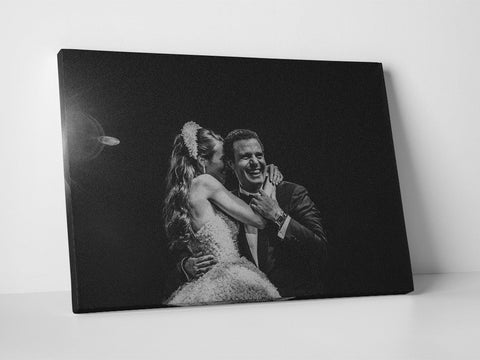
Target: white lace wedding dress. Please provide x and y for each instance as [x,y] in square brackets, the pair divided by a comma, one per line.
[232,279]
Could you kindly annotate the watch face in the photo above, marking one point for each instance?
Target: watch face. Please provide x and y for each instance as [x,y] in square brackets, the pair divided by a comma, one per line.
[281,219]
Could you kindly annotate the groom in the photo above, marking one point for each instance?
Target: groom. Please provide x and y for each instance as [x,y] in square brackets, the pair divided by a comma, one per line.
[291,249]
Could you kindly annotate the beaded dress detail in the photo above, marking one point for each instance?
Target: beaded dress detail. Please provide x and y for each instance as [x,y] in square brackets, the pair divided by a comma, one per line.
[232,279]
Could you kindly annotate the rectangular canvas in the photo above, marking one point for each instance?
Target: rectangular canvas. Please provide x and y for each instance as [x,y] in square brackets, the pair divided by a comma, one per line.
[195,180]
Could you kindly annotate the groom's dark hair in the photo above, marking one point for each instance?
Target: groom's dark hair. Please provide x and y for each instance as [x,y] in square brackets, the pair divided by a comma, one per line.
[236,135]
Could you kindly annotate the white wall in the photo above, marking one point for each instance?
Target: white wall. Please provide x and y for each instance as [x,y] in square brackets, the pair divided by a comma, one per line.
[429,50]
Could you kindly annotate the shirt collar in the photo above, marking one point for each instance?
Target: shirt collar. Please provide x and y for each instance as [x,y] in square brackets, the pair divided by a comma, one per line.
[243,191]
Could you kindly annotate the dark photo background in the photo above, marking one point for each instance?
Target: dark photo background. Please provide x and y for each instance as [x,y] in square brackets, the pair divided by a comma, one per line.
[324,124]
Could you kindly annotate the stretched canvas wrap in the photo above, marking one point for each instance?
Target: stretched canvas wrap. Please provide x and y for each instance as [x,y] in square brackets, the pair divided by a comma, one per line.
[194,180]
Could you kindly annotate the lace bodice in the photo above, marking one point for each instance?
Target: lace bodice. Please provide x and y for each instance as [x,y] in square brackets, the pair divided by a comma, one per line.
[218,237]
[232,279]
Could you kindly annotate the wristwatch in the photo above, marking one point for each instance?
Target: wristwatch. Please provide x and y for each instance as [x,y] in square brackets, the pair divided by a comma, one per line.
[280,218]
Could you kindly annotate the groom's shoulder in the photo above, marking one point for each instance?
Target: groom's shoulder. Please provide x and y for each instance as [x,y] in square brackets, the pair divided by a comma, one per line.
[287,189]
[287,185]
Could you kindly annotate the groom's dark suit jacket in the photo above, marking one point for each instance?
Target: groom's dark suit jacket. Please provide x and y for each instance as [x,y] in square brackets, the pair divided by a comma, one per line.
[295,263]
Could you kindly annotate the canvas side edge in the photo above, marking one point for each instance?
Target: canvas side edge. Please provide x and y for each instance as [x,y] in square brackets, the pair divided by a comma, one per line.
[391,140]
[68,194]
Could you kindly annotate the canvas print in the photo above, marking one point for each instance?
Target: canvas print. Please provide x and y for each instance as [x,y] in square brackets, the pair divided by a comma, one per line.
[203,180]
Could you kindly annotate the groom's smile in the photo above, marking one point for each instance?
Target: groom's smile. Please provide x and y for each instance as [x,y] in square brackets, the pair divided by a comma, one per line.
[249,164]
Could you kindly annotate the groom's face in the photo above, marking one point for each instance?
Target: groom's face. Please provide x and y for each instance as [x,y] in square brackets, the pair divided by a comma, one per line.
[249,164]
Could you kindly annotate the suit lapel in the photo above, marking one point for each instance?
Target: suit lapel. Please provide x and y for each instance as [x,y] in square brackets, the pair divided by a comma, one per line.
[282,198]
[269,234]
[262,239]
[262,247]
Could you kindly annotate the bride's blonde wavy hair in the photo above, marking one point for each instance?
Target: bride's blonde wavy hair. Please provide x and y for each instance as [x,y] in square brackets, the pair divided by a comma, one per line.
[183,169]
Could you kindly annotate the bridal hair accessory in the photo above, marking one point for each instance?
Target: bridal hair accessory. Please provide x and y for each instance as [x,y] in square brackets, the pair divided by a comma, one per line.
[189,134]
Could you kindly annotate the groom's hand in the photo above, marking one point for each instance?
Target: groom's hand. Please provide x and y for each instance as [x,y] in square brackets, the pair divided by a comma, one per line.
[265,206]
[197,265]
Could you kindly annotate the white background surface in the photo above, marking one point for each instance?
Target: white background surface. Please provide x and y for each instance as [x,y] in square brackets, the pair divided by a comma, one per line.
[430,54]
[440,320]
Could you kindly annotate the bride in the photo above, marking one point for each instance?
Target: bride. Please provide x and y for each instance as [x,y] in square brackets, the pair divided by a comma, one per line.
[201,214]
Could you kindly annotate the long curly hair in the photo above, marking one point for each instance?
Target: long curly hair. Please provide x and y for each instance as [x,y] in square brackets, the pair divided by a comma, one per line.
[183,169]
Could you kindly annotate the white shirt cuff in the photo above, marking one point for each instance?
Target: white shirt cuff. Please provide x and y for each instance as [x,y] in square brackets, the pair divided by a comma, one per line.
[283,229]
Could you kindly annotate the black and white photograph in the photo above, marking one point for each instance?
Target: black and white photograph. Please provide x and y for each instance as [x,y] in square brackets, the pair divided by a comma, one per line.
[239,180]
[199,180]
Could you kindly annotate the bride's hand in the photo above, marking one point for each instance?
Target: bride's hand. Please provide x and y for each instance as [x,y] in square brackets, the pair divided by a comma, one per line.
[269,187]
[273,177]
[274,174]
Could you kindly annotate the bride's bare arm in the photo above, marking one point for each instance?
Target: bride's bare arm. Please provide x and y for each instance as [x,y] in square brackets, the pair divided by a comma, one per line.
[229,203]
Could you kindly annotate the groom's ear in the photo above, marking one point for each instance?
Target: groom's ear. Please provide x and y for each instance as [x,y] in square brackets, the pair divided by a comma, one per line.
[230,164]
